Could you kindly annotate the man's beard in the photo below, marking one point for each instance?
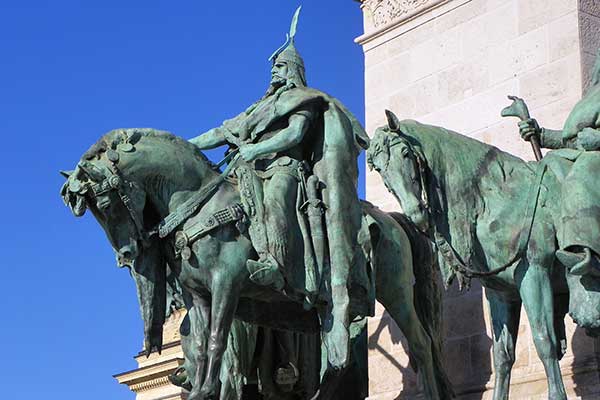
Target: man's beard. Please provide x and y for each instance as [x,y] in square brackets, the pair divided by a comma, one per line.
[274,86]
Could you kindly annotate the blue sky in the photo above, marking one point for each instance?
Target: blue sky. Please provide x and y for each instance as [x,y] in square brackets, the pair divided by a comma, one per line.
[72,70]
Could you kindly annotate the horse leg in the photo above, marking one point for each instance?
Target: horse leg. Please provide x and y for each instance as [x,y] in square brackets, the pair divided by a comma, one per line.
[505,324]
[404,314]
[398,299]
[223,305]
[199,316]
[536,293]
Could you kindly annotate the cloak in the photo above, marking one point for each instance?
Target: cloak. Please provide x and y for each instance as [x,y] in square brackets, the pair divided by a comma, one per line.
[332,148]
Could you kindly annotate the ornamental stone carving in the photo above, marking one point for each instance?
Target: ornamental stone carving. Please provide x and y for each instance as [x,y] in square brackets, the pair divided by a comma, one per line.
[385,11]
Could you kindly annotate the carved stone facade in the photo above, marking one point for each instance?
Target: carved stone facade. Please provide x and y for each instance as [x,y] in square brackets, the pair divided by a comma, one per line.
[383,12]
[150,380]
[451,63]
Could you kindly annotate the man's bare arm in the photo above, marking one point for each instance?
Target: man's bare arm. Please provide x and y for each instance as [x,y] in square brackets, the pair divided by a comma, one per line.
[286,138]
[551,139]
[209,140]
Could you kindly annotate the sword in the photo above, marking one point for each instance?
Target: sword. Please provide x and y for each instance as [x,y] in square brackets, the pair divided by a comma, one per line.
[314,209]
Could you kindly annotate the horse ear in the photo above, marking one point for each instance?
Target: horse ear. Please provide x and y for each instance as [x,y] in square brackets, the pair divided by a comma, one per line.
[393,121]
[66,174]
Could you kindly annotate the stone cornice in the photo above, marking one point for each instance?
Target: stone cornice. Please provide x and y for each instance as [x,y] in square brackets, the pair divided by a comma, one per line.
[384,12]
[384,16]
[149,377]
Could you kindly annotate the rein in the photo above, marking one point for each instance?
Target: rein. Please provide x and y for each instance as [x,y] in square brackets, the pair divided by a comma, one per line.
[185,210]
[468,271]
[114,181]
[458,266]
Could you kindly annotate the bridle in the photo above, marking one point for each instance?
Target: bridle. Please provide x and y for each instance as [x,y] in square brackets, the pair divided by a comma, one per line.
[389,143]
[114,182]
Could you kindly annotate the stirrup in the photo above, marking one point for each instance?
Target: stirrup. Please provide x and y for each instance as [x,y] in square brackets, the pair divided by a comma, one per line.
[265,273]
[580,263]
[569,258]
[179,378]
[286,376]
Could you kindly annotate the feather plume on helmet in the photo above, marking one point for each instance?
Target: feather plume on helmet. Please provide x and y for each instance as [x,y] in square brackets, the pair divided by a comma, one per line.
[288,54]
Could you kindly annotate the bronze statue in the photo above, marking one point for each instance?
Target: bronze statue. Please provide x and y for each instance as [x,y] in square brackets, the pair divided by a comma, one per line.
[495,217]
[278,238]
[290,133]
[577,162]
[137,181]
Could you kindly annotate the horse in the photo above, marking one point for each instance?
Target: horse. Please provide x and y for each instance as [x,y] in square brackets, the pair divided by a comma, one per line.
[134,180]
[492,216]
[284,363]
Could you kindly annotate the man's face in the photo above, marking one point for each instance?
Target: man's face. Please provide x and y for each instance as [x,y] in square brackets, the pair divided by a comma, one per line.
[279,73]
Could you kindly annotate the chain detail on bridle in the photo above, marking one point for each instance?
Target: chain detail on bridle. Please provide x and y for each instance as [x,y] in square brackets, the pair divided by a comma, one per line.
[463,271]
[421,166]
[114,181]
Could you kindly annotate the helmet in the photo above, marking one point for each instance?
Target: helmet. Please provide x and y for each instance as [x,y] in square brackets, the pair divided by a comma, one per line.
[289,55]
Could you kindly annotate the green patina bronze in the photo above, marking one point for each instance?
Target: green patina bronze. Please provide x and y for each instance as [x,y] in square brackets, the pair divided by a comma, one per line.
[529,231]
[145,175]
[291,132]
[278,239]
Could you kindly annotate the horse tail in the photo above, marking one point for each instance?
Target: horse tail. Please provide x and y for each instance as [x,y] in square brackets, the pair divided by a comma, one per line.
[428,298]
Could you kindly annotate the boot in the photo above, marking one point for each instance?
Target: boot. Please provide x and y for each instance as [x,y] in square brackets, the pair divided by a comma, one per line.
[180,378]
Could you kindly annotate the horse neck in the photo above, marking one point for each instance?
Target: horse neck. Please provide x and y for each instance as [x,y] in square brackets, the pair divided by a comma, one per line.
[171,177]
[452,180]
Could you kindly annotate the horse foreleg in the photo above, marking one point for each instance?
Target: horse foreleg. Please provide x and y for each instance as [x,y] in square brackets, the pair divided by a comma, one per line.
[536,293]
[223,305]
[420,345]
[199,316]
[393,261]
[505,324]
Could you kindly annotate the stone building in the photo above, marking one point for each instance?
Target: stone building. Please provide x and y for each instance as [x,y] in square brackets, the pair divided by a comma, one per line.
[452,63]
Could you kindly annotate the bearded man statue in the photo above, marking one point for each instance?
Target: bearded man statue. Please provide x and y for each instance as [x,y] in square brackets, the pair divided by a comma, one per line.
[289,137]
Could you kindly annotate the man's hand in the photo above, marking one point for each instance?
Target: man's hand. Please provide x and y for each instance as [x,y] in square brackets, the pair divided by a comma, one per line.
[589,139]
[529,128]
[248,152]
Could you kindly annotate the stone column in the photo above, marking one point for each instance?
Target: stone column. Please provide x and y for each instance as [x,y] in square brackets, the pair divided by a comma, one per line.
[452,63]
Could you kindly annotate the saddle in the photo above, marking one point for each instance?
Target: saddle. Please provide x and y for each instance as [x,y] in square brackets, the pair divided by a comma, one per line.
[307,277]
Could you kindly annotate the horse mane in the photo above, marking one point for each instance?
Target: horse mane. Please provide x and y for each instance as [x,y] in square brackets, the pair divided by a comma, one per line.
[112,139]
[470,156]
[462,173]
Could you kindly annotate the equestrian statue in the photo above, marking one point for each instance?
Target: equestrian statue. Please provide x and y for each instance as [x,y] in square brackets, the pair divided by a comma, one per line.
[530,231]
[278,238]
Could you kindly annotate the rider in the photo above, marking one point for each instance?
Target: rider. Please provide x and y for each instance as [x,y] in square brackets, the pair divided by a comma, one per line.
[290,126]
[579,230]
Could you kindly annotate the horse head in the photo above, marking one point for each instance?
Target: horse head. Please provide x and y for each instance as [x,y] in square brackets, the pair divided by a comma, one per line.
[124,181]
[100,184]
[402,168]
